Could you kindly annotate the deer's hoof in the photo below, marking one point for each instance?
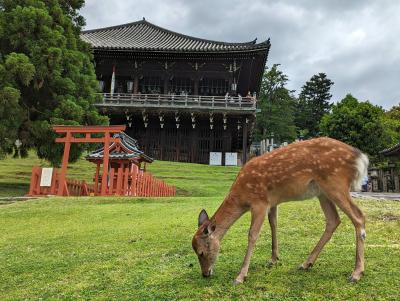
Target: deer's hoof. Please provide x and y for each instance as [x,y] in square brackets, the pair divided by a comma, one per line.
[272,263]
[305,266]
[354,279]
[238,281]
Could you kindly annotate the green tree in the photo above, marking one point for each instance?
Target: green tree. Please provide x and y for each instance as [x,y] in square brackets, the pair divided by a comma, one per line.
[46,75]
[358,124]
[277,106]
[313,103]
[391,124]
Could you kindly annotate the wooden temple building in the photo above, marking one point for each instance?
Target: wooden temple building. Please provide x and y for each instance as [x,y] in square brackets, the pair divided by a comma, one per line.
[387,177]
[181,97]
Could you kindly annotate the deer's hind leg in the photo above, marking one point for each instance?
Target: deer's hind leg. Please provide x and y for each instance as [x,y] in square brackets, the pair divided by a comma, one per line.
[272,218]
[332,222]
[358,220]
[342,198]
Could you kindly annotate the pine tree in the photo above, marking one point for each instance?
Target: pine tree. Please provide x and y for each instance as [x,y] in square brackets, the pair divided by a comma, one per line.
[276,103]
[46,75]
[313,103]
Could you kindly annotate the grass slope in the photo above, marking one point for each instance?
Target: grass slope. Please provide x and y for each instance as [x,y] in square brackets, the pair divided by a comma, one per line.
[140,249]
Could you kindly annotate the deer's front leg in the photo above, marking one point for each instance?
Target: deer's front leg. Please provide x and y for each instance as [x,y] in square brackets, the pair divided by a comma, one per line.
[257,219]
[272,218]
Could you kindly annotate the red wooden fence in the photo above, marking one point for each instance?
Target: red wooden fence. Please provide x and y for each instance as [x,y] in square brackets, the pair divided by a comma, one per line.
[132,183]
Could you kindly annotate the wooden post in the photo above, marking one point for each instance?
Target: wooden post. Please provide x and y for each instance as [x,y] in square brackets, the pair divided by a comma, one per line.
[119,178]
[135,85]
[196,86]
[96,179]
[105,163]
[125,189]
[134,180]
[194,148]
[64,164]
[162,143]
[34,180]
[244,142]
[166,82]
[111,186]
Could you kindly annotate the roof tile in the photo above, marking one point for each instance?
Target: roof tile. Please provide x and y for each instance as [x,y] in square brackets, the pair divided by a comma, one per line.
[143,35]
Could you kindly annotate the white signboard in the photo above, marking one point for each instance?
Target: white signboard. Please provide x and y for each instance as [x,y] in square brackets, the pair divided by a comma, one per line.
[231,159]
[46,176]
[215,158]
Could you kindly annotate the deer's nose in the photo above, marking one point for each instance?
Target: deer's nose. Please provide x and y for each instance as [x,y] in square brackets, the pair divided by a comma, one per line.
[208,273]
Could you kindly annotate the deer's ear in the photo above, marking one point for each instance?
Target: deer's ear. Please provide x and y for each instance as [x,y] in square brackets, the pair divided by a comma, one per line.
[210,228]
[203,216]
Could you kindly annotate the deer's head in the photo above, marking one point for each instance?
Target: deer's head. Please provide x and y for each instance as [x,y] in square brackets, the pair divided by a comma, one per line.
[205,244]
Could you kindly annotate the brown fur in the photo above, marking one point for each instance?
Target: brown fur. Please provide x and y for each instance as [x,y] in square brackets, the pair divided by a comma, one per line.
[323,167]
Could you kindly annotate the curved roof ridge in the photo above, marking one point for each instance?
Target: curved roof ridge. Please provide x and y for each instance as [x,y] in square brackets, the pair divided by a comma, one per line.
[145,22]
[111,27]
[196,38]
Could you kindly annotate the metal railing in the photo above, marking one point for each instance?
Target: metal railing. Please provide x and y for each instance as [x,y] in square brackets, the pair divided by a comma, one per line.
[178,101]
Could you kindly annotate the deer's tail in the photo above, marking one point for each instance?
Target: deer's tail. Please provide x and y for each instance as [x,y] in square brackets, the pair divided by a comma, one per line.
[361,164]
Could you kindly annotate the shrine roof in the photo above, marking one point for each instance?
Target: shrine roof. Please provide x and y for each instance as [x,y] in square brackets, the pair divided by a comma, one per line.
[129,150]
[392,151]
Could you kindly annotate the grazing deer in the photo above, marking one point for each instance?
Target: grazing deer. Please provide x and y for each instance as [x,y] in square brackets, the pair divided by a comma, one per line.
[322,167]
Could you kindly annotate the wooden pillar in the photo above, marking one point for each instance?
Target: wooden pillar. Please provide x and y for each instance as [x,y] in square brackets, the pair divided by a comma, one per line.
[162,143]
[64,164]
[96,179]
[211,139]
[135,84]
[193,145]
[226,146]
[125,189]
[105,163]
[244,142]
[119,178]
[177,145]
[111,186]
[166,84]
[196,86]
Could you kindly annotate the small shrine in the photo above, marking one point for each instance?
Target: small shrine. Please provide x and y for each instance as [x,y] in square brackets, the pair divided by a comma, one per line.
[120,167]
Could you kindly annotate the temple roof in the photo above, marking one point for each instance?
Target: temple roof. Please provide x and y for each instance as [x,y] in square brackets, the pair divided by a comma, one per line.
[128,150]
[142,35]
[392,151]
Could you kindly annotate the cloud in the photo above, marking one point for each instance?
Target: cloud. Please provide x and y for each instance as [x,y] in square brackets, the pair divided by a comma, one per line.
[354,42]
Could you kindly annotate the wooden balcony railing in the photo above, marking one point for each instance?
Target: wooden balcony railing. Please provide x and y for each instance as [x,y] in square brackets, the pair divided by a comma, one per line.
[178,101]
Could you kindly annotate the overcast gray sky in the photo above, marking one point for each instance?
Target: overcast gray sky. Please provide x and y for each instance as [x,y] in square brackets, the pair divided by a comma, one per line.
[356,42]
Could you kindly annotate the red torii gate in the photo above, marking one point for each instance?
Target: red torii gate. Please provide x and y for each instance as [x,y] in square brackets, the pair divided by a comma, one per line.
[69,138]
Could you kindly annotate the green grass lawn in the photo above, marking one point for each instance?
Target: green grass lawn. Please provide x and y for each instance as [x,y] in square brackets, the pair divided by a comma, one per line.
[140,249]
